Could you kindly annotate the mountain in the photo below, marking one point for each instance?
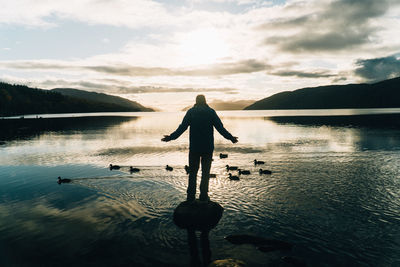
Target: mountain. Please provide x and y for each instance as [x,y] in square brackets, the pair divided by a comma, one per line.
[384,94]
[100,97]
[225,105]
[20,99]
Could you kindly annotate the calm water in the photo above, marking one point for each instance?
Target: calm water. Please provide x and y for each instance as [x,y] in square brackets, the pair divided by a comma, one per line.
[334,191]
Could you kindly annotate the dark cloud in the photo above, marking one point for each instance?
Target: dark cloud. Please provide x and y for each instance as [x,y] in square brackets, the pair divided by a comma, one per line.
[340,25]
[377,69]
[321,42]
[303,74]
[245,66]
[219,69]
[155,89]
[36,65]
[121,87]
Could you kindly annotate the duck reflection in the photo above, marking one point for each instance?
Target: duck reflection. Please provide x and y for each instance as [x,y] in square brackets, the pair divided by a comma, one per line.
[198,216]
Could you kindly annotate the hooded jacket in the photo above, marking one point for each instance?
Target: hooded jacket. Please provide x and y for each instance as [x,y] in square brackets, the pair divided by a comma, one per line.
[202,119]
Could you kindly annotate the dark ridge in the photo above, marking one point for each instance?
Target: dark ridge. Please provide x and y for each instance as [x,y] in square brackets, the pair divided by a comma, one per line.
[23,129]
[226,105]
[384,94]
[21,99]
[100,97]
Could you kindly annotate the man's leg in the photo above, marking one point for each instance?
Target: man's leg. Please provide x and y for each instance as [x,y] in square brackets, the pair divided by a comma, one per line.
[194,161]
[205,175]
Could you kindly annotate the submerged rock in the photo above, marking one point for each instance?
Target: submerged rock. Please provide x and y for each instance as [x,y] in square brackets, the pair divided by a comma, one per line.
[227,263]
[198,215]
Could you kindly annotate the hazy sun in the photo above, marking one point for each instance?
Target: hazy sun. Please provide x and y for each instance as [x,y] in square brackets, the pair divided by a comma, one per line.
[203,46]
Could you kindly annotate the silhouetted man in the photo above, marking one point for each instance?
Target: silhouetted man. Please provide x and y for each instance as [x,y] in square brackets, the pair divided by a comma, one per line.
[201,119]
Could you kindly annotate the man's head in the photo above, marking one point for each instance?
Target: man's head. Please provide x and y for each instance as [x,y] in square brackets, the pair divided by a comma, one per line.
[201,100]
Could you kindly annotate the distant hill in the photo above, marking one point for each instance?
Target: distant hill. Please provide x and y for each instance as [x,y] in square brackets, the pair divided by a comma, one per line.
[20,99]
[225,105]
[384,94]
[100,97]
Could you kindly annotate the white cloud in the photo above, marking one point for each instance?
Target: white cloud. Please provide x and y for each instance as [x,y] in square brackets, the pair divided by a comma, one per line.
[260,50]
[132,13]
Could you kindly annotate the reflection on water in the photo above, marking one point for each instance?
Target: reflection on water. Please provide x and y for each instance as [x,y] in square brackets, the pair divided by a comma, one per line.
[333,193]
[195,258]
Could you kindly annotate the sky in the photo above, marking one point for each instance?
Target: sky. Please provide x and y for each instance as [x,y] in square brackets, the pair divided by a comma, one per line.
[163,53]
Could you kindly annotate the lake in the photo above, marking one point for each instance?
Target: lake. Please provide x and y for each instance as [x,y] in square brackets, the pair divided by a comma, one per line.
[334,191]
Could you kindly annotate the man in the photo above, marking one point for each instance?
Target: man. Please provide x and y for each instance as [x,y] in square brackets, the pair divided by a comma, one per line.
[201,119]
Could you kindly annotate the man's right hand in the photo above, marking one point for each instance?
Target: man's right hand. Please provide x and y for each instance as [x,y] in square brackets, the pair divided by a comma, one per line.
[234,139]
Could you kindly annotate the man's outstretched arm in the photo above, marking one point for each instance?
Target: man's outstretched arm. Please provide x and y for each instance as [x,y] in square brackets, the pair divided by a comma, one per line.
[221,129]
[182,128]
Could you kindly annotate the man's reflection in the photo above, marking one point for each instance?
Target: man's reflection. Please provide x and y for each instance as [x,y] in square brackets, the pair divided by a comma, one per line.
[198,216]
[194,251]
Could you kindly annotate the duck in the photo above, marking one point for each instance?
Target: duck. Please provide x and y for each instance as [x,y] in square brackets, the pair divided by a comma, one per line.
[233,177]
[213,175]
[60,181]
[169,168]
[223,156]
[245,172]
[261,171]
[187,169]
[131,169]
[231,168]
[258,162]
[114,167]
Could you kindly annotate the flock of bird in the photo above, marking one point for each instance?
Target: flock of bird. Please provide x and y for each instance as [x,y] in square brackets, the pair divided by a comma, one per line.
[187,169]
[242,171]
[212,175]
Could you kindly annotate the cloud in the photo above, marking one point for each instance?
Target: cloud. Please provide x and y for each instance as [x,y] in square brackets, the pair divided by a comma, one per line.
[377,69]
[133,13]
[245,66]
[153,89]
[114,86]
[334,26]
[329,41]
[218,69]
[37,65]
[304,74]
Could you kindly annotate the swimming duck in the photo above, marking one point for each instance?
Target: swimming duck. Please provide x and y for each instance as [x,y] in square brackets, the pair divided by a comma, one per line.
[233,177]
[231,168]
[187,169]
[245,172]
[261,171]
[169,168]
[114,167]
[258,162]
[131,169]
[223,156]
[60,181]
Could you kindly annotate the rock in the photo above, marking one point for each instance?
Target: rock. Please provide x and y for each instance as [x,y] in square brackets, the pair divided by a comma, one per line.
[227,263]
[198,215]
